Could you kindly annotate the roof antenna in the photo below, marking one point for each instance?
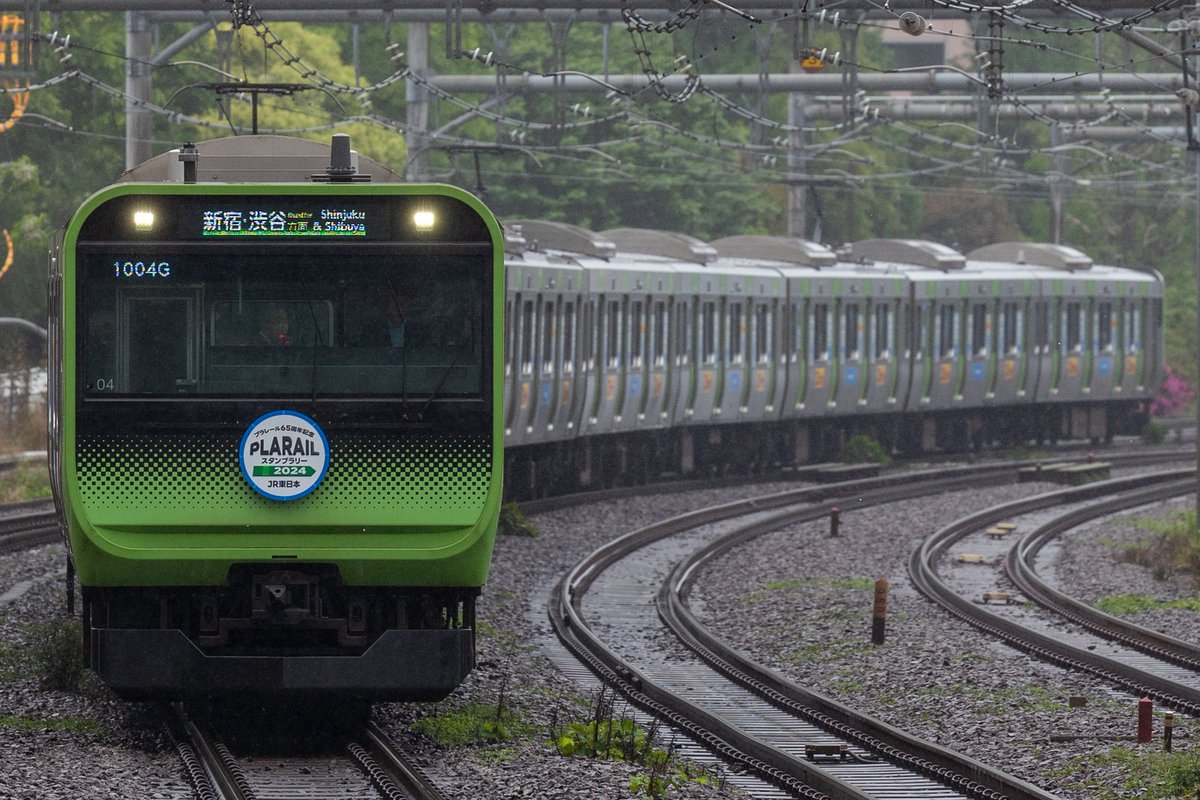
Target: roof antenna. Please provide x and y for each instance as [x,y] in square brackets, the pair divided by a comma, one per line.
[341,166]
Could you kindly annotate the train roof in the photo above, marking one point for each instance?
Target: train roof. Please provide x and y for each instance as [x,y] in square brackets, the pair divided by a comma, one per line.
[262,158]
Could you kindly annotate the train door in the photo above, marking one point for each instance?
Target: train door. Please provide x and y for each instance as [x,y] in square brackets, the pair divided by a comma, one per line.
[946,380]
[919,330]
[881,348]
[849,352]
[613,327]
[1045,357]
[546,367]
[1103,347]
[707,327]
[592,337]
[733,364]
[1010,372]
[1070,327]
[759,393]
[655,406]
[633,402]
[1131,344]
[820,356]
[979,369]
[159,335]
[526,333]
[796,358]
[511,435]
[569,399]
[685,381]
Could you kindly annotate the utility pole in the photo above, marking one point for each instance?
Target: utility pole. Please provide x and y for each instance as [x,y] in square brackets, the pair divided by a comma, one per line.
[416,98]
[137,88]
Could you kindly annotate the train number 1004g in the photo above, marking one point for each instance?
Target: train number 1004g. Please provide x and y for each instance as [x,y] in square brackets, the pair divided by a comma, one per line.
[142,269]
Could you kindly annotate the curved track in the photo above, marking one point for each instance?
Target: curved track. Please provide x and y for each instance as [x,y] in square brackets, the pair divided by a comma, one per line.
[796,740]
[1137,660]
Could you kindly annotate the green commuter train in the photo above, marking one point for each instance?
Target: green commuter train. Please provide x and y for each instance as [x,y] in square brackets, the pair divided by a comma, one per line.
[276,428]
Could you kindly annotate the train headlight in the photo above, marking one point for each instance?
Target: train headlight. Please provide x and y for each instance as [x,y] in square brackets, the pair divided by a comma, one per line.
[424,220]
[143,220]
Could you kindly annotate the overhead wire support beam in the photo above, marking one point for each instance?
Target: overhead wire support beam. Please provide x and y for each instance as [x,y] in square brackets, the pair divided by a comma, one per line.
[803,83]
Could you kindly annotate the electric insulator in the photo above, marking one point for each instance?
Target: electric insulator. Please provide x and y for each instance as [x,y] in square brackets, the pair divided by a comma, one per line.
[913,24]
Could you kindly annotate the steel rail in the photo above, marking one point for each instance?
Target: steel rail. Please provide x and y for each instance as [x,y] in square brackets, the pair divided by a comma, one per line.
[959,771]
[923,572]
[1021,568]
[778,767]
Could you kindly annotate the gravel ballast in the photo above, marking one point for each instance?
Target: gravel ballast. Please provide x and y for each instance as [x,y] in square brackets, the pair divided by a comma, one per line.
[798,602]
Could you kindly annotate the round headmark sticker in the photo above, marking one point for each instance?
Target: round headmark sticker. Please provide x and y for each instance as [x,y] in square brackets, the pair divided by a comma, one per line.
[284,455]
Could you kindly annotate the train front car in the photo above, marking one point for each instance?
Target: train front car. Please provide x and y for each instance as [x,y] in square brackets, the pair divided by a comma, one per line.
[278,443]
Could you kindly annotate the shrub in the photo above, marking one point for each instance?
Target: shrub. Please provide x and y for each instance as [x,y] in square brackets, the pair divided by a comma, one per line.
[1154,432]
[864,449]
[514,523]
[56,654]
[1175,395]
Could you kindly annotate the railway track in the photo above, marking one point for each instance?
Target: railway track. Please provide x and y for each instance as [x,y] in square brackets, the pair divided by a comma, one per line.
[1146,662]
[793,742]
[28,524]
[365,765]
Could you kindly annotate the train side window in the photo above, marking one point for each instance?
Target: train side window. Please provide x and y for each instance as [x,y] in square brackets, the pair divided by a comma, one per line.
[737,333]
[708,332]
[612,327]
[883,330]
[979,330]
[1073,326]
[637,333]
[568,338]
[853,328]
[820,331]
[947,331]
[762,333]
[508,337]
[1105,323]
[548,329]
[589,334]
[683,342]
[1010,326]
[527,322]
[659,334]
[1133,328]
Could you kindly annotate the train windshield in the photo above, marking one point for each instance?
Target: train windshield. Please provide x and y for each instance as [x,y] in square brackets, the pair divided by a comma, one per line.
[247,321]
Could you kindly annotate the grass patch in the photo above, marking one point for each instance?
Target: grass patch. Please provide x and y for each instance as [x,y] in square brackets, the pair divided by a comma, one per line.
[26,480]
[836,650]
[1150,775]
[56,655]
[609,738]
[514,523]
[1173,547]
[1133,603]
[69,724]
[475,724]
